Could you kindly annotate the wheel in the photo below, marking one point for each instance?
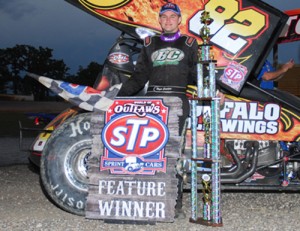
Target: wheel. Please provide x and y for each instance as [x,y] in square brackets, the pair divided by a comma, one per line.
[64,164]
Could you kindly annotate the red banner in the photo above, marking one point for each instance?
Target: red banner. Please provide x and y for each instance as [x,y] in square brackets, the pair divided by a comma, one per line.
[291,31]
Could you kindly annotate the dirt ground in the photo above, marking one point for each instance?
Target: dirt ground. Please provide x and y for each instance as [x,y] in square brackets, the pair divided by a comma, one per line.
[24,206]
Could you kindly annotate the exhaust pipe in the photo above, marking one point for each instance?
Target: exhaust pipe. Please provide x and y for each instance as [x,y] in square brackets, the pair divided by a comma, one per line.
[245,173]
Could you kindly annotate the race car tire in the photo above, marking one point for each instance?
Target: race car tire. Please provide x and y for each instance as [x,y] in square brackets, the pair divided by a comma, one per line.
[64,164]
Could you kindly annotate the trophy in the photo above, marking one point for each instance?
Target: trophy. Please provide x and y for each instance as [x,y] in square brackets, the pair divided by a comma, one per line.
[206,95]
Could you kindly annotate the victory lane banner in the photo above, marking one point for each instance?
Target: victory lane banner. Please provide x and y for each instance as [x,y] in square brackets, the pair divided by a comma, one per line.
[131,170]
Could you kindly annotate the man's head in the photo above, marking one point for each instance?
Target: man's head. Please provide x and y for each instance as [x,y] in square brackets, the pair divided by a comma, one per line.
[169,18]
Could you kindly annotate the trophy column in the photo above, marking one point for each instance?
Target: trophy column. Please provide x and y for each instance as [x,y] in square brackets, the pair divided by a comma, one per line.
[210,150]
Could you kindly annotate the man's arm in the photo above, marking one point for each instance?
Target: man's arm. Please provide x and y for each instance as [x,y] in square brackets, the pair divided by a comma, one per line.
[278,74]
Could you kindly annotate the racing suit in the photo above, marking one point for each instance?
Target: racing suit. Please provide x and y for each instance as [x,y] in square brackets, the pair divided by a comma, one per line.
[168,67]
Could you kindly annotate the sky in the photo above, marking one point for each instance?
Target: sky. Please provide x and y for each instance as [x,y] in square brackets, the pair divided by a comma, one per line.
[76,36]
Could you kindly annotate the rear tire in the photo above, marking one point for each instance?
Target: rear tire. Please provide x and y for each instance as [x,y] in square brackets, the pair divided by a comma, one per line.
[64,164]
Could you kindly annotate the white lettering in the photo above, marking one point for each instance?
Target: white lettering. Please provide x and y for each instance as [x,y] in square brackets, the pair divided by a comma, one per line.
[58,192]
[272,112]
[126,208]
[260,127]
[149,209]
[76,128]
[141,190]
[272,127]
[130,185]
[120,141]
[134,209]
[229,125]
[86,126]
[254,113]
[79,205]
[160,209]
[120,189]
[101,185]
[127,187]
[149,135]
[151,189]
[249,126]
[71,201]
[138,209]
[136,124]
[240,111]
[285,30]
[105,208]
[110,184]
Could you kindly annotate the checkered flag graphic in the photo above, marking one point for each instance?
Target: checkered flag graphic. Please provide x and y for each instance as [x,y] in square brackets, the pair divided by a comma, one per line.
[82,96]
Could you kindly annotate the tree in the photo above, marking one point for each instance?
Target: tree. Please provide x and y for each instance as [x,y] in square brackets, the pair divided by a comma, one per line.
[4,73]
[18,60]
[87,76]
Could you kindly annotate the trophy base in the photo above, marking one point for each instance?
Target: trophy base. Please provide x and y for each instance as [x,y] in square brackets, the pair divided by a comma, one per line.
[201,221]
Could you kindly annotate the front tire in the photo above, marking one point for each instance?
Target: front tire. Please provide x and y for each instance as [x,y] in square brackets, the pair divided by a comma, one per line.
[64,164]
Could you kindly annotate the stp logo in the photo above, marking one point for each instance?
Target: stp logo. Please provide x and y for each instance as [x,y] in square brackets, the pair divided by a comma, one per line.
[234,74]
[130,134]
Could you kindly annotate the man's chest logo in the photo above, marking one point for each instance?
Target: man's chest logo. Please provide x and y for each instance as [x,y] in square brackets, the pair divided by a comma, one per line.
[167,56]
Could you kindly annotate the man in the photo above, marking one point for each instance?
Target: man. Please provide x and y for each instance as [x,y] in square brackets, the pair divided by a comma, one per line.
[168,60]
[269,74]
[168,63]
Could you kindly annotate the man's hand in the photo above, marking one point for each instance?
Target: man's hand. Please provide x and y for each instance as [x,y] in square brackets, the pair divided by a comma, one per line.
[278,74]
[222,98]
[288,65]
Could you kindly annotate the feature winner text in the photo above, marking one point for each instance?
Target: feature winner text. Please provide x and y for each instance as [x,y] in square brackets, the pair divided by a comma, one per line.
[132,198]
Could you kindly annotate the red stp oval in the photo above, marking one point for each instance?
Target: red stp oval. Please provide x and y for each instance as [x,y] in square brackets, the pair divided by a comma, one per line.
[129,134]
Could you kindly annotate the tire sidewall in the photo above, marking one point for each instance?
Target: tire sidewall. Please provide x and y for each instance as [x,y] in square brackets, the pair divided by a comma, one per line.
[68,144]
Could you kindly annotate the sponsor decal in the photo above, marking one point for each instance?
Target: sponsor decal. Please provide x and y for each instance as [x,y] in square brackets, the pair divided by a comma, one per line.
[291,31]
[234,75]
[134,137]
[151,203]
[245,118]
[234,28]
[118,58]
[167,56]
[250,120]
[40,142]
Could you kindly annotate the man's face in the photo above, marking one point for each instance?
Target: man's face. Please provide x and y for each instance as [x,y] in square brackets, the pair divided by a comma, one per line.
[169,22]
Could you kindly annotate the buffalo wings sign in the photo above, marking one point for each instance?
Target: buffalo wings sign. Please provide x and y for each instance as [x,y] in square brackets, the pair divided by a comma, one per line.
[242,32]
[241,119]
[134,137]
